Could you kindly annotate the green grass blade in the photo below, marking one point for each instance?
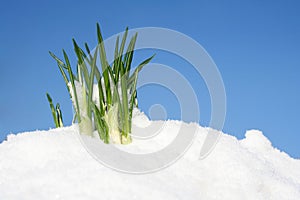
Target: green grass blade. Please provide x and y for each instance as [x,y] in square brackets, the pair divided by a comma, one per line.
[132,98]
[125,128]
[129,54]
[115,65]
[52,110]
[59,61]
[101,98]
[104,65]
[102,127]
[145,62]
[119,64]
[91,83]
[81,62]
[138,69]
[87,48]
[123,43]
[116,95]
[118,59]
[97,72]
[77,109]
[77,51]
[59,115]
[61,66]
[117,102]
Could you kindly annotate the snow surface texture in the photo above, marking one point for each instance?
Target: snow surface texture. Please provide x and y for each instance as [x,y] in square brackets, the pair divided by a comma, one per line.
[54,165]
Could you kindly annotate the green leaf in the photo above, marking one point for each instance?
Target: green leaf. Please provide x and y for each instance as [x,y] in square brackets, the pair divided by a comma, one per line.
[132,98]
[61,66]
[77,109]
[102,127]
[101,98]
[129,54]
[138,69]
[116,65]
[59,61]
[123,43]
[59,115]
[81,63]
[91,83]
[125,116]
[121,67]
[104,65]
[116,95]
[52,110]
[118,59]
[97,72]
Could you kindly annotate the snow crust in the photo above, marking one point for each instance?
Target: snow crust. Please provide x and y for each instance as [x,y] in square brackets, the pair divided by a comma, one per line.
[54,165]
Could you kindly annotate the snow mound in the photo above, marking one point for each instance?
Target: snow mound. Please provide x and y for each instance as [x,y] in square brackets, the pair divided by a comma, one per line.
[54,165]
[256,142]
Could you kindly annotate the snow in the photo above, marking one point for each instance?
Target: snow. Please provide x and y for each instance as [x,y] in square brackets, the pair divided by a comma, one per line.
[55,165]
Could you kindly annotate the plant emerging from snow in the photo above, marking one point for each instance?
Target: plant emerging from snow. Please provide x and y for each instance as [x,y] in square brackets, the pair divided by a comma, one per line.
[110,113]
[56,112]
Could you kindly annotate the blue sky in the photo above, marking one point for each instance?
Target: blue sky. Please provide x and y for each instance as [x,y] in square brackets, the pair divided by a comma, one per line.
[255,44]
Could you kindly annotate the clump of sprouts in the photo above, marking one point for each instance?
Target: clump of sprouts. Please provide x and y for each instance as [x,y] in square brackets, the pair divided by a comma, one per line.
[114,85]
